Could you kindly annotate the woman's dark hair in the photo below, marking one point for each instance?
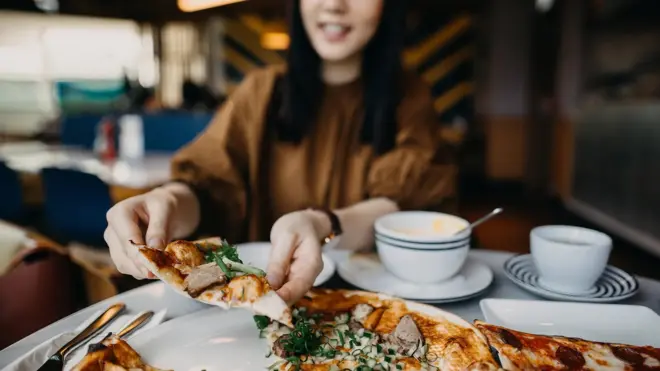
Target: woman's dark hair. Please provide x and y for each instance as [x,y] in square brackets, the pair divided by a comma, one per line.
[299,93]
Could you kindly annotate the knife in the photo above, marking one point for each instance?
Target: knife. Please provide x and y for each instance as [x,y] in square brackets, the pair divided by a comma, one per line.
[127,330]
[56,361]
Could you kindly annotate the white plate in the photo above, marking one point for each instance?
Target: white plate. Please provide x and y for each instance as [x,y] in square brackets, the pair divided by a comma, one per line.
[365,271]
[612,323]
[614,285]
[212,339]
[257,253]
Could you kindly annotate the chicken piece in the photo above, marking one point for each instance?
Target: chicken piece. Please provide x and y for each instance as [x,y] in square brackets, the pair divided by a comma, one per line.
[406,337]
[185,253]
[278,347]
[203,277]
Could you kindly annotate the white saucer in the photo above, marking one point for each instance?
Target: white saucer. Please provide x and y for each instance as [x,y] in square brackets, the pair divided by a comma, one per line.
[614,285]
[366,272]
[257,254]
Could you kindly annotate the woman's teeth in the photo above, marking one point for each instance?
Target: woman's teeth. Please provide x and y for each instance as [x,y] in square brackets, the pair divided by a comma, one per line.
[334,30]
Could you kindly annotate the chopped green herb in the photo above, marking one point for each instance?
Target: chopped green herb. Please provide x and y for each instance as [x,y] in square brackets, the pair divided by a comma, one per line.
[341,337]
[262,322]
[226,257]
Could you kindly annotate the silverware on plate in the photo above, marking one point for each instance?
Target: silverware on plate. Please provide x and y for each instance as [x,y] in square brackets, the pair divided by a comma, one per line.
[56,361]
[127,330]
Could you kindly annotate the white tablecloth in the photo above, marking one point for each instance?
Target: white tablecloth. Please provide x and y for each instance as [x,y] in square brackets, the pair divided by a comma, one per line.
[31,157]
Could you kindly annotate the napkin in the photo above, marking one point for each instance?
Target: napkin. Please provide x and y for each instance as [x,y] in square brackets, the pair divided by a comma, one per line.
[38,356]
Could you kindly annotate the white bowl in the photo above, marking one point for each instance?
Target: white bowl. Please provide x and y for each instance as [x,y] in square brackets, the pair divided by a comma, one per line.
[569,259]
[412,249]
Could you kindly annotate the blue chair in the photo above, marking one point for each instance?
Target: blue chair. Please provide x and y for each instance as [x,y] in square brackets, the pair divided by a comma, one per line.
[75,206]
[11,195]
[167,132]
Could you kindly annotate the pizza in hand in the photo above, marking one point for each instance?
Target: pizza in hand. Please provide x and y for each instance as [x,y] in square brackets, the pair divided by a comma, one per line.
[352,330]
[517,350]
[212,272]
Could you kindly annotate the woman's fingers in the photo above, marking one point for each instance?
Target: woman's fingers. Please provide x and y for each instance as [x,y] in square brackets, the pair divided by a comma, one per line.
[306,266]
[159,213]
[126,263]
[280,259]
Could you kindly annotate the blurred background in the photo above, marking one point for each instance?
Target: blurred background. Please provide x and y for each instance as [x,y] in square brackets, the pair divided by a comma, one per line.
[554,107]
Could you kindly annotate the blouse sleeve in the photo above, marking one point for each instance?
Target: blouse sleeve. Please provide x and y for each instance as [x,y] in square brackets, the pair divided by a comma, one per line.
[214,166]
[419,173]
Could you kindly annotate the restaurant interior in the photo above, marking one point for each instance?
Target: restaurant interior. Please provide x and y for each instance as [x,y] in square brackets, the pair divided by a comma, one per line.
[551,106]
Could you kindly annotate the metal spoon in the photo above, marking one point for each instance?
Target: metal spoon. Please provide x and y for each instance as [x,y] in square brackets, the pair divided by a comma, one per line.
[482,219]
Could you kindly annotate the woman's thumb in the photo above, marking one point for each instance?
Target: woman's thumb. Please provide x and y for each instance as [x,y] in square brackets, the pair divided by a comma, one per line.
[280,259]
[157,229]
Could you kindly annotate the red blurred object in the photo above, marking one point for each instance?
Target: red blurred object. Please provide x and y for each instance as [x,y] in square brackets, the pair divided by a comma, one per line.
[105,145]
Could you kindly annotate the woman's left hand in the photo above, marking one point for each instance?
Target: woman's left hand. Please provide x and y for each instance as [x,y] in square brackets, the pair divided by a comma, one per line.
[295,259]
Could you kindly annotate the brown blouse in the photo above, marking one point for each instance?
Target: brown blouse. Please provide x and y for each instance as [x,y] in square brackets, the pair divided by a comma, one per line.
[246,180]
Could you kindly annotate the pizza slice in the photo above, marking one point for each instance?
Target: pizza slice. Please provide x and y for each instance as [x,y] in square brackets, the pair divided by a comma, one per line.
[517,350]
[352,330]
[211,271]
[113,354]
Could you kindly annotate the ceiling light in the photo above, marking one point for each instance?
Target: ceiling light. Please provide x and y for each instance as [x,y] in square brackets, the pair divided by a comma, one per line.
[195,5]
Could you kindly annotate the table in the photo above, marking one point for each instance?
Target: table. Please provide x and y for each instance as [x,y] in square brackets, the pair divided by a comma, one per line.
[157,295]
[125,177]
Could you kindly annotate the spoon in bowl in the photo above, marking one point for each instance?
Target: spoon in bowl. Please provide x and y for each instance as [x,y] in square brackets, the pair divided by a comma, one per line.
[482,219]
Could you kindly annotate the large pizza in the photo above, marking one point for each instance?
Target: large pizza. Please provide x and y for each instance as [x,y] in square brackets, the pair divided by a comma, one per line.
[337,330]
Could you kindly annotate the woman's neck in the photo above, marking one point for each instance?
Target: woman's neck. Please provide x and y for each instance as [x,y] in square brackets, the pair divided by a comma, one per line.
[342,72]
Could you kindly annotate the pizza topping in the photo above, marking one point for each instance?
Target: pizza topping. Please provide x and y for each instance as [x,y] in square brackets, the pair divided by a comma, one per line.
[361,312]
[510,339]
[185,253]
[628,355]
[203,277]
[279,347]
[570,357]
[226,257]
[406,336]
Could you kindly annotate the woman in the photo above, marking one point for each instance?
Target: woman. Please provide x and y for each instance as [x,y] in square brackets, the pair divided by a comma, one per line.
[328,144]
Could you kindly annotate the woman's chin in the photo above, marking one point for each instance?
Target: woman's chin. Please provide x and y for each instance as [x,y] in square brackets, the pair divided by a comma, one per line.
[335,54]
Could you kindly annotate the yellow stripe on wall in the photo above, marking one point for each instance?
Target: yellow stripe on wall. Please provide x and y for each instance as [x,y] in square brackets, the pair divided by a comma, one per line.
[237,60]
[442,68]
[254,23]
[414,56]
[250,41]
[452,96]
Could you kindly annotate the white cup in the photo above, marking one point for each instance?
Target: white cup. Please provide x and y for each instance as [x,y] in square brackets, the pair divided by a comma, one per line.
[570,260]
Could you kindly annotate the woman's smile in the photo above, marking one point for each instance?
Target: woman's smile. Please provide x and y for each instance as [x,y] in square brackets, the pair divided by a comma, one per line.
[334,32]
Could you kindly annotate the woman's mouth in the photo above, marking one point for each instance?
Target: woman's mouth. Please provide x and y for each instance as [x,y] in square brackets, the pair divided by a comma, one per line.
[334,32]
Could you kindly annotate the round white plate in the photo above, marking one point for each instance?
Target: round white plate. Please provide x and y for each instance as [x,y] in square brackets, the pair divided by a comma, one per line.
[614,285]
[367,272]
[257,253]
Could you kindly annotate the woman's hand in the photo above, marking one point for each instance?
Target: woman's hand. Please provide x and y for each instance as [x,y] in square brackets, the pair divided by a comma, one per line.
[150,219]
[295,259]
